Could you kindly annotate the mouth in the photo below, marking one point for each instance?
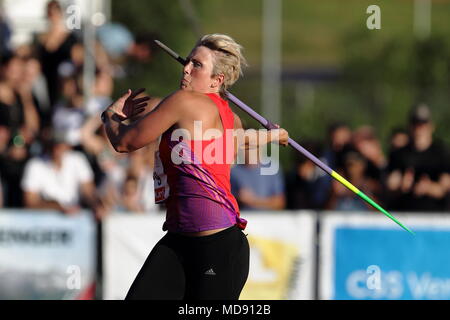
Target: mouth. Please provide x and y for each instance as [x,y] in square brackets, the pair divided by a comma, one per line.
[184,83]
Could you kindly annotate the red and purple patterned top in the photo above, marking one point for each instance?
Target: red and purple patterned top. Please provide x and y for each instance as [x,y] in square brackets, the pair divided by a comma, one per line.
[197,190]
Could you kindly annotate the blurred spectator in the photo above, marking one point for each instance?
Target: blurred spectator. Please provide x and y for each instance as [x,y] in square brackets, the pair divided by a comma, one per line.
[339,139]
[116,39]
[399,138]
[144,47]
[17,107]
[19,123]
[5,36]
[355,171]
[419,177]
[141,52]
[136,194]
[73,112]
[35,80]
[367,144]
[141,168]
[101,94]
[307,186]
[126,52]
[130,195]
[255,191]
[60,179]
[1,192]
[54,47]
[74,63]
[69,114]
[113,167]
[12,165]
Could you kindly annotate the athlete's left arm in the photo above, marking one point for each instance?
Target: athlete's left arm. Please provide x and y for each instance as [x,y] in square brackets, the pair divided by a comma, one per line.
[146,129]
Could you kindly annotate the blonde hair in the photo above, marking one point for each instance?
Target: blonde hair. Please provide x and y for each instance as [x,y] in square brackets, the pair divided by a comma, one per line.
[228,58]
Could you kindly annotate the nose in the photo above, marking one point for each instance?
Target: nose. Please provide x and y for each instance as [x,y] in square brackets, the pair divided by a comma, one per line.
[187,67]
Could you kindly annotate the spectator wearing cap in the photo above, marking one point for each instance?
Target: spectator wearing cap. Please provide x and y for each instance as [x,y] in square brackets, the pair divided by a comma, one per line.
[60,179]
[419,177]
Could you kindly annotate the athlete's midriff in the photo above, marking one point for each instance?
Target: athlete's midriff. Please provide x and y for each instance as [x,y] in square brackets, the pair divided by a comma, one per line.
[200,200]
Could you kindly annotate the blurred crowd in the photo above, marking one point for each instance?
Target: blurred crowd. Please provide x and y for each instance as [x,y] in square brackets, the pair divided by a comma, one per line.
[54,153]
[413,176]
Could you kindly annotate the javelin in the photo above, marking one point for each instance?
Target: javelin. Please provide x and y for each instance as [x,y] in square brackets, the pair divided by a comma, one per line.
[269,125]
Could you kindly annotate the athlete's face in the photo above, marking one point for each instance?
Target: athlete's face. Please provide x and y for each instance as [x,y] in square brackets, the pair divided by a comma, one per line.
[198,72]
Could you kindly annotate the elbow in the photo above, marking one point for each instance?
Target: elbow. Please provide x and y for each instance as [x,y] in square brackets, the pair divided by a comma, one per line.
[124,147]
[129,144]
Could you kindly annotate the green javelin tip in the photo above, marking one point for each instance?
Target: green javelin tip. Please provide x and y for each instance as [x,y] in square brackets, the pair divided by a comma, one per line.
[373,203]
[350,186]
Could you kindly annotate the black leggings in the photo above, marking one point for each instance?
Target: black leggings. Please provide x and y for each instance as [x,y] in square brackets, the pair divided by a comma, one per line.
[194,268]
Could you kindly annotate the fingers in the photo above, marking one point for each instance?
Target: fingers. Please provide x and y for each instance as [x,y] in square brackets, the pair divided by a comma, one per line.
[138,110]
[126,95]
[140,100]
[136,93]
[142,105]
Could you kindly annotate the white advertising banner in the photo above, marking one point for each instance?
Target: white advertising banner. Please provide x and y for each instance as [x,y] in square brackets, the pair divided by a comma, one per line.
[127,241]
[282,256]
[46,255]
[281,260]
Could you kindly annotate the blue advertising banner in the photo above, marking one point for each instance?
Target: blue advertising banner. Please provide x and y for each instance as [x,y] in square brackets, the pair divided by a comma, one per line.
[365,258]
[46,255]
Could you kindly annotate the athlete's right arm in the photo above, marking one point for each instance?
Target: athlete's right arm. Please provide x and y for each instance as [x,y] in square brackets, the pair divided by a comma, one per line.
[147,129]
[250,139]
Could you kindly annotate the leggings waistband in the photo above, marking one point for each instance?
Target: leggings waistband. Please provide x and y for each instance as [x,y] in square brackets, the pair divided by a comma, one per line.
[211,237]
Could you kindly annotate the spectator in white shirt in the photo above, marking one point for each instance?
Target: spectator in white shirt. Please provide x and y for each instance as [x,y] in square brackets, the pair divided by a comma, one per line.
[60,180]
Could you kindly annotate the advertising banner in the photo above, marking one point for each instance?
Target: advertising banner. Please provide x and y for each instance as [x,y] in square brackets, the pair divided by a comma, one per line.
[127,241]
[281,259]
[282,256]
[369,257]
[46,255]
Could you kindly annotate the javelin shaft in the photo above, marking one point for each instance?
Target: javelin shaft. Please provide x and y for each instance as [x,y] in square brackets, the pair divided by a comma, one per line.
[269,125]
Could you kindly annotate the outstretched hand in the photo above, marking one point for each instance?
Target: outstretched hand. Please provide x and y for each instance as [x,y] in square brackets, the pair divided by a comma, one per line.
[280,135]
[128,106]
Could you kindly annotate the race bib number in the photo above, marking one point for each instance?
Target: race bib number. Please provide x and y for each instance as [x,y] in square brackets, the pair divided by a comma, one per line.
[160,180]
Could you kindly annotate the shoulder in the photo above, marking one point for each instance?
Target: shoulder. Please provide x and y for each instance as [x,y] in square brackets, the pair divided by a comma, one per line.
[439,146]
[188,102]
[6,94]
[36,165]
[237,121]
[42,37]
[75,156]
[185,97]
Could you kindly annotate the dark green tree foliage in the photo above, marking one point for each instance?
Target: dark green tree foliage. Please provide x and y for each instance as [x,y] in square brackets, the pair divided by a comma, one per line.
[168,21]
[389,76]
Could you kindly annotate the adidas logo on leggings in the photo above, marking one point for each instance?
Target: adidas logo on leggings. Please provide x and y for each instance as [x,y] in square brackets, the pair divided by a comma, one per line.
[210,272]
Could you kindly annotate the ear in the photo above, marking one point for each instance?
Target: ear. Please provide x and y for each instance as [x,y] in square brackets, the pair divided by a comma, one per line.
[218,80]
